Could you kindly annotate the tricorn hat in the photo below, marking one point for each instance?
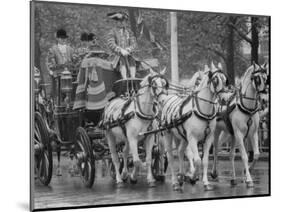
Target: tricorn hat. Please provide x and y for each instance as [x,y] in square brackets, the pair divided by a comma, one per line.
[91,36]
[118,16]
[84,36]
[61,33]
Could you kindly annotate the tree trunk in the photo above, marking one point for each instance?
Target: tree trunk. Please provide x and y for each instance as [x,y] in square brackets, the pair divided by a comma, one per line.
[230,51]
[255,41]
[174,48]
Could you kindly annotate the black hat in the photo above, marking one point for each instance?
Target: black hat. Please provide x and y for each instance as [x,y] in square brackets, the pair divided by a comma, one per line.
[91,36]
[61,33]
[84,36]
[118,16]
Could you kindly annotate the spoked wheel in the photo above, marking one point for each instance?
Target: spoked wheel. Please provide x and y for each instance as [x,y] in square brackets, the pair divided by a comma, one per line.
[85,157]
[43,151]
[159,165]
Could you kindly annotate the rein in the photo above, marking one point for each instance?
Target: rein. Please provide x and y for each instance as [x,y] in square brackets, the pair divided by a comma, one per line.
[140,113]
[242,96]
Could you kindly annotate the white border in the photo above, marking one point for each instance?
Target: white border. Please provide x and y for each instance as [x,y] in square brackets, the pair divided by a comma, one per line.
[14,85]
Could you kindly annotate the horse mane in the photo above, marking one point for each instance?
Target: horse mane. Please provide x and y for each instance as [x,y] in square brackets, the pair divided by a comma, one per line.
[144,81]
[193,79]
[247,74]
[203,82]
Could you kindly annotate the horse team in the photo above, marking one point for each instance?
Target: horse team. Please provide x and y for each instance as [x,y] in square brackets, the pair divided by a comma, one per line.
[187,119]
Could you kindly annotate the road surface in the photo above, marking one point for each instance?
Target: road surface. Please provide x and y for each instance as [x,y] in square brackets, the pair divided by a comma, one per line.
[66,191]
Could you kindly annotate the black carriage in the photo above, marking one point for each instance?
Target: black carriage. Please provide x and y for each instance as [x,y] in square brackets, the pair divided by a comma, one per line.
[77,130]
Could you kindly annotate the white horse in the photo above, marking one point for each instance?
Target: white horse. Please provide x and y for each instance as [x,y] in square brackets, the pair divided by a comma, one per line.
[189,120]
[124,121]
[242,120]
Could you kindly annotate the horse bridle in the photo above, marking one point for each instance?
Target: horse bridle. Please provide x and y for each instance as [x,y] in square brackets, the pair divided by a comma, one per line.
[214,80]
[253,78]
[154,87]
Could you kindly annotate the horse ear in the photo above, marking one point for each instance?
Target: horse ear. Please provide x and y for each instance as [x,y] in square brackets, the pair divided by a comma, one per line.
[266,67]
[163,71]
[220,66]
[213,67]
[151,72]
[206,68]
[255,65]
[210,74]
[149,79]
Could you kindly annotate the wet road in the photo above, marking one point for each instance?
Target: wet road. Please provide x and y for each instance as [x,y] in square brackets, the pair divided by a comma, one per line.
[66,191]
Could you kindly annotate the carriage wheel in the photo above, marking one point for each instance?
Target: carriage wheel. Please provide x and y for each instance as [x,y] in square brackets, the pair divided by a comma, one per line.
[85,157]
[158,165]
[42,150]
[112,168]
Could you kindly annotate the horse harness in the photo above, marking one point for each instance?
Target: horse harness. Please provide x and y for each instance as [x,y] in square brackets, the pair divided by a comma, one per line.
[124,118]
[179,118]
[240,105]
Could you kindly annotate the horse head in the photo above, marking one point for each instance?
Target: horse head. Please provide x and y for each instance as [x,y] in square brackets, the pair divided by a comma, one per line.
[259,77]
[157,82]
[217,79]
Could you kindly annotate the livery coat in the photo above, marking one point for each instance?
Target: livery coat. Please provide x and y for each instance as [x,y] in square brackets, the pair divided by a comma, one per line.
[120,38]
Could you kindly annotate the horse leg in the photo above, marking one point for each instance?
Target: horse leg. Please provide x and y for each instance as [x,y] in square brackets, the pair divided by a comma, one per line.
[115,158]
[214,173]
[133,143]
[206,150]
[239,139]
[255,144]
[169,148]
[233,181]
[148,151]
[181,149]
[197,160]
[58,150]
[124,174]
[190,158]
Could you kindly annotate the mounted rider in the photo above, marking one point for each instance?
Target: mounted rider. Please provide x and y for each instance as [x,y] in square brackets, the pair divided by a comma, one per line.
[122,42]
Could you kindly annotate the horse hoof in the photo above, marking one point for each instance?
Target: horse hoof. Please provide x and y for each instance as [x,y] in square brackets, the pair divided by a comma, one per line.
[132,181]
[120,185]
[177,187]
[250,184]
[214,175]
[193,181]
[190,180]
[180,179]
[160,178]
[208,187]
[233,182]
[124,179]
[151,184]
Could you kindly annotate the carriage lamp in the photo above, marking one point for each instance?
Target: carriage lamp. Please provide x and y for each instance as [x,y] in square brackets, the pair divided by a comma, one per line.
[66,86]
[66,81]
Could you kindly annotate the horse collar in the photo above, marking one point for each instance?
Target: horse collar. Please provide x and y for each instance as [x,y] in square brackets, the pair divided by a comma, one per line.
[199,113]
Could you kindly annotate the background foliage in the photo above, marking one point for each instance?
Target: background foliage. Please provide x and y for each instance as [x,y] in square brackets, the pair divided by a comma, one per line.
[202,37]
